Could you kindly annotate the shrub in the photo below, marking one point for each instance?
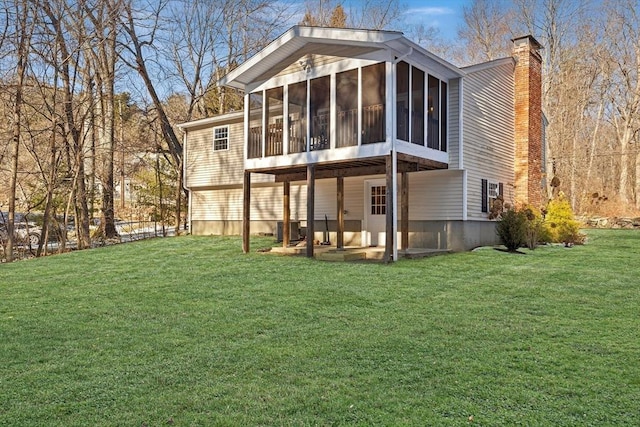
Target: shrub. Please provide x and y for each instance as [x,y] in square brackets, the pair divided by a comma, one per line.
[512,229]
[535,232]
[560,222]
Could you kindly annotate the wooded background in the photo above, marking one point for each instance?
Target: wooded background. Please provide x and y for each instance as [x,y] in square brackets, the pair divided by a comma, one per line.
[91,92]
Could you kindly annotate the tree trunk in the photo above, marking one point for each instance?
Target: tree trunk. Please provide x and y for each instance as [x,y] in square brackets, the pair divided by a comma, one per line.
[175,147]
[22,51]
[636,193]
[623,180]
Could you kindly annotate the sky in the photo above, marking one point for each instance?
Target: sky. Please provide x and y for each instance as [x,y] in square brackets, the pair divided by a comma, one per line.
[446,15]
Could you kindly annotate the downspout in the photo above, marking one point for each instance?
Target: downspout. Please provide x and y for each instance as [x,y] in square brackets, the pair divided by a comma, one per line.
[461,150]
[184,178]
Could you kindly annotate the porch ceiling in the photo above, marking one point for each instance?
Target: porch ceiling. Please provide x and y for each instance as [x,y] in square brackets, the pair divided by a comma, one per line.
[347,168]
[318,49]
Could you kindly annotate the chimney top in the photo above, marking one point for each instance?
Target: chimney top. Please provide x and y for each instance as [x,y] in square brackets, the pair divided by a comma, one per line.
[527,40]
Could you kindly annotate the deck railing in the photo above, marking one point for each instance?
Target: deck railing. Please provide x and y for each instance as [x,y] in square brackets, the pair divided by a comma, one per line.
[320,132]
[254,149]
[273,147]
[347,129]
[297,136]
[373,130]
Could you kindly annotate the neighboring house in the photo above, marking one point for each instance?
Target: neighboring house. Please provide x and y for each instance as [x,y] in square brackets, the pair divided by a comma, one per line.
[391,144]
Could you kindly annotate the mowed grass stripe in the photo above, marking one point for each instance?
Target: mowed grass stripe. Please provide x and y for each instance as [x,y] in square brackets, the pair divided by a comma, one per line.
[190,331]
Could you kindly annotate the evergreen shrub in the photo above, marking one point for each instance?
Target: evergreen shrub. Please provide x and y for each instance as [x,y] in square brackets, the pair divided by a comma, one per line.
[560,222]
[512,229]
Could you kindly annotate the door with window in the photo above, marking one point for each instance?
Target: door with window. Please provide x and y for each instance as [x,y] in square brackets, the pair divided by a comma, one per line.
[376,211]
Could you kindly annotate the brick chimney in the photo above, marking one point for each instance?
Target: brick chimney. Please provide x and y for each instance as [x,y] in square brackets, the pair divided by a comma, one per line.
[528,121]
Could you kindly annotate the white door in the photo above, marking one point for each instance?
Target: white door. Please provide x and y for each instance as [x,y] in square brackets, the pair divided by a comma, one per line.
[375,212]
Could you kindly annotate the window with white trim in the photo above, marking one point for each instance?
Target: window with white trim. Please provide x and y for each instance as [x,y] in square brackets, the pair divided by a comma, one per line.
[378,200]
[492,192]
[221,138]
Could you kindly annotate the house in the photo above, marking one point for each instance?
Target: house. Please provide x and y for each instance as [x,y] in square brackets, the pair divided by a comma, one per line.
[372,137]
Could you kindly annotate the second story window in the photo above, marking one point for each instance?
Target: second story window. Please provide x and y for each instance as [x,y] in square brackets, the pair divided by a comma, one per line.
[421,100]
[373,102]
[347,108]
[298,117]
[221,138]
[274,110]
[320,106]
[436,114]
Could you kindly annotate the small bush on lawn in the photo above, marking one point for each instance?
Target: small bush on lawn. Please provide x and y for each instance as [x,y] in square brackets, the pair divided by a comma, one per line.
[560,222]
[512,229]
[536,231]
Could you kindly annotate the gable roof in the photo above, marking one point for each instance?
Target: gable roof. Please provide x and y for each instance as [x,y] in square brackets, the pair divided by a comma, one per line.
[299,41]
[489,64]
[220,119]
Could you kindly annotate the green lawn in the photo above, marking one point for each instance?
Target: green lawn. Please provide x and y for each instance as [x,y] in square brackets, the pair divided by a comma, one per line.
[189,331]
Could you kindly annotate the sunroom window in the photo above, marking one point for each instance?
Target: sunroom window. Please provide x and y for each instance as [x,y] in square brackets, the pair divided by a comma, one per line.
[373,102]
[421,111]
[417,106]
[275,110]
[297,117]
[320,89]
[254,150]
[402,101]
[347,108]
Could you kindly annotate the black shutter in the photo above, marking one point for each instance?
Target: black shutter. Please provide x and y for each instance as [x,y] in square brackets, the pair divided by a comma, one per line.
[500,190]
[485,189]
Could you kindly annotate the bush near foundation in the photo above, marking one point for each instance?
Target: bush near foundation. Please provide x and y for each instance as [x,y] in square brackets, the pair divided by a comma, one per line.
[512,229]
[521,226]
[527,226]
[536,229]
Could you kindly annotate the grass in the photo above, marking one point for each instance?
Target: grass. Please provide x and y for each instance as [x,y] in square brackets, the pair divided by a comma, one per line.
[189,331]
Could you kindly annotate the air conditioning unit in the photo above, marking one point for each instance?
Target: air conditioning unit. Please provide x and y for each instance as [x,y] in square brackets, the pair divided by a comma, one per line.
[294,230]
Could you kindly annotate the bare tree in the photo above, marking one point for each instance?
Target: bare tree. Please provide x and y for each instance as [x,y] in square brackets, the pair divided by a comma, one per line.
[60,19]
[22,35]
[191,48]
[374,14]
[101,53]
[133,55]
[486,31]
[622,68]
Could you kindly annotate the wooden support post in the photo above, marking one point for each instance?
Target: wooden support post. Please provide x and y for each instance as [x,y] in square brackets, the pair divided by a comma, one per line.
[340,216]
[311,190]
[246,212]
[404,211]
[388,248]
[286,214]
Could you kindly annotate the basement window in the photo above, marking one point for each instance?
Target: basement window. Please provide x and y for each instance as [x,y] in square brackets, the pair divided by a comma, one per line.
[221,138]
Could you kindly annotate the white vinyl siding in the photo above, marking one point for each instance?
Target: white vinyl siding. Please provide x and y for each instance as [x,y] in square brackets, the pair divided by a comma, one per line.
[211,205]
[266,204]
[326,201]
[453,124]
[435,195]
[207,167]
[488,125]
